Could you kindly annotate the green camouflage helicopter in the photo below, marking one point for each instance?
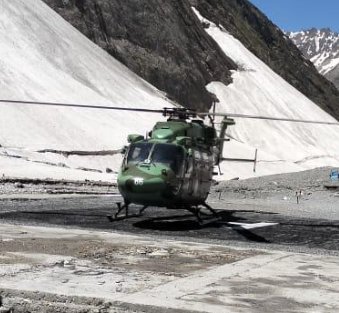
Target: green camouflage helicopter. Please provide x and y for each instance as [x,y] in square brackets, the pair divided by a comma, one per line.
[173,165]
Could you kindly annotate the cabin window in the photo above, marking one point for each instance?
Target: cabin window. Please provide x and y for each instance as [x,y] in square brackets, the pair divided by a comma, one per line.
[139,152]
[170,155]
[205,157]
[197,155]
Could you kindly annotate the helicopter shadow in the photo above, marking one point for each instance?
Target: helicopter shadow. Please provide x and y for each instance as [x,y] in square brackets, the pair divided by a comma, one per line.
[187,222]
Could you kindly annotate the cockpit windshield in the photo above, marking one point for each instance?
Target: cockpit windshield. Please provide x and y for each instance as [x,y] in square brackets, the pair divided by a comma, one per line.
[158,153]
[139,152]
[168,154]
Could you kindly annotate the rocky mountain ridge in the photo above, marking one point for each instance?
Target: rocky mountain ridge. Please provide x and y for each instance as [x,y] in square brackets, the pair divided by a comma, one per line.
[163,42]
[321,46]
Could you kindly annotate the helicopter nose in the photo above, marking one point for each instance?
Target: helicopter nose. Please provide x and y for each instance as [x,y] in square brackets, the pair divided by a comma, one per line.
[146,192]
[141,185]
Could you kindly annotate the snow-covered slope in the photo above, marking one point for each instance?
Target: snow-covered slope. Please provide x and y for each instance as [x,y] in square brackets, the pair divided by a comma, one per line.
[257,90]
[321,46]
[43,58]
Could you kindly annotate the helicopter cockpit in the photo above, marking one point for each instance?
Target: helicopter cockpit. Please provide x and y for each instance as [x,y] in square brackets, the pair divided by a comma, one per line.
[156,153]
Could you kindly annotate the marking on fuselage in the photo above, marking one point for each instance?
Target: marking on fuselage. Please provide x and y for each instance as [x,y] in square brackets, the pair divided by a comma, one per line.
[138,181]
[253,225]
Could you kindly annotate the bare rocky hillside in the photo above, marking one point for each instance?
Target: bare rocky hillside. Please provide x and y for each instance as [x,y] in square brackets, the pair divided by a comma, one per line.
[164,42]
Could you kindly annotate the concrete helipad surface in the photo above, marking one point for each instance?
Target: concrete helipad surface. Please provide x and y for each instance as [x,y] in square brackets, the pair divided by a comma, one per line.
[73,270]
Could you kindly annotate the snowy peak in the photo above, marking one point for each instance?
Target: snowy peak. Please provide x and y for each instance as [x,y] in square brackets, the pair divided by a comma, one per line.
[321,46]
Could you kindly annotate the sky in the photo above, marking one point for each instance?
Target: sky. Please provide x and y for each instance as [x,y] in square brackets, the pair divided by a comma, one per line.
[294,15]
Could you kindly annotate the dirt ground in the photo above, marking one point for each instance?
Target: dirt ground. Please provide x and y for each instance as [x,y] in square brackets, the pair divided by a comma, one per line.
[87,269]
[67,269]
[48,269]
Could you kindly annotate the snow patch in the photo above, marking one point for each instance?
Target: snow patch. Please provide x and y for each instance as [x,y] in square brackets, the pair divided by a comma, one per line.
[44,58]
[283,146]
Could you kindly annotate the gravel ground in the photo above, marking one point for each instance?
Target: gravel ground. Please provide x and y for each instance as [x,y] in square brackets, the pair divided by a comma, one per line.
[301,194]
[312,180]
[50,187]
[64,270]
[71,270]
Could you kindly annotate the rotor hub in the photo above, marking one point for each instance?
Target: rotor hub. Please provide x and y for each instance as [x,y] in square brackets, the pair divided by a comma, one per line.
[179,113]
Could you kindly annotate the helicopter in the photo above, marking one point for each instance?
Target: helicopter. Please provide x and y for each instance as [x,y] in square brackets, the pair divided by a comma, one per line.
[173,165]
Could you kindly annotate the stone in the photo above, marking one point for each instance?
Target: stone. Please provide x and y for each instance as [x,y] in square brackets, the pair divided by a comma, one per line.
[19,185]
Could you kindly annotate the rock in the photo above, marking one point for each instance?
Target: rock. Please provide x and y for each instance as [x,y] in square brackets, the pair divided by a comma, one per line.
[3,308]
[108,170]
[89,170]
[118,288]
[60,263]
[62,165]
[19,185]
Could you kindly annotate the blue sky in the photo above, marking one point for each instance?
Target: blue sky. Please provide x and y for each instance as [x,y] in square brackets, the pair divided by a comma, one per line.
[293,15]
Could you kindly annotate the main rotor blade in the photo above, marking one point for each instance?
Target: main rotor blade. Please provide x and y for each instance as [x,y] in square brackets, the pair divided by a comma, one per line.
[73,105]
[161,111]
[269,118]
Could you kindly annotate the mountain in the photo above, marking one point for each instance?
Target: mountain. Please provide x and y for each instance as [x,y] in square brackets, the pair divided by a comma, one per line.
[43,57]
[163,42]
[321,46]
[259,89]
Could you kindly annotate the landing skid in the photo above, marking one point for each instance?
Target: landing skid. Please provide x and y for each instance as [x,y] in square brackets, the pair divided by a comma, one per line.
[125,207]
[203,218]
[208,218]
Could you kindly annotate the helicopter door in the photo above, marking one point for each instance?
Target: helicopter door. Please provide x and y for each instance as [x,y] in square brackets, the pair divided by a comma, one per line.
[202,174]
[198,172]
[206,173]
[188,179]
